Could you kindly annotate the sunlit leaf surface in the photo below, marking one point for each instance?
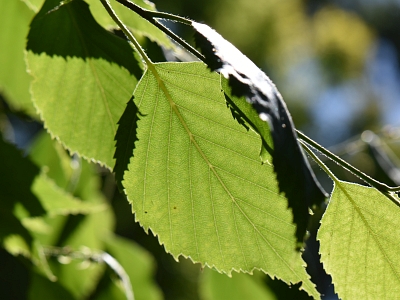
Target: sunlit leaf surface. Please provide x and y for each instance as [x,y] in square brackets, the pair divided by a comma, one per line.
[14,81]
[359,238]
[196,179]
[246,80]
[82,78]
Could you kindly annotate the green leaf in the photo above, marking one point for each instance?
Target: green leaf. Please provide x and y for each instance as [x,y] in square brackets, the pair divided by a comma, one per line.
[215,286]
[82,78]
[14,80]
[247,116]
[130,19]
[197,182]
[75,176]
[54,160]
[57,201]
[359,245]
[294,174]
[138,264]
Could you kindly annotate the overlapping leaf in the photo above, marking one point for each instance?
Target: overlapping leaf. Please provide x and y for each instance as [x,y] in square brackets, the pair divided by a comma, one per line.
[197,182]
[295,177]
[130,19]
[82,78]
[14,81]
[359,237]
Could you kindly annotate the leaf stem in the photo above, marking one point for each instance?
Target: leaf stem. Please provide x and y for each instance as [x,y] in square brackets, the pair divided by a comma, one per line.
[372,182]
[99,257]
[388,194]
[318,160]
[126,31]
[149,14]
[151,17]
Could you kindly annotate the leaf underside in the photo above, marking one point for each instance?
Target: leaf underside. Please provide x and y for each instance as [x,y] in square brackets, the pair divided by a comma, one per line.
[359,243]
[197,182]
[82,78]
[295,177]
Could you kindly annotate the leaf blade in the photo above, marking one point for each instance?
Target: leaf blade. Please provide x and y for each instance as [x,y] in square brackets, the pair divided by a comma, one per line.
[14,80]
[359,242]
[186,181]
[83,77]
[294,174]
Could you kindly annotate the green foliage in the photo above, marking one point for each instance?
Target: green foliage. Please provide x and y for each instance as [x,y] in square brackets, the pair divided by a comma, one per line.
[190,150]
[130,19]
[14,81]
[93,74]
[359,242]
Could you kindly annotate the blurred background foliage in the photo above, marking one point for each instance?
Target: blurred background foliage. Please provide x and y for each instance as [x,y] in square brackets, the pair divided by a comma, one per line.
[335,63]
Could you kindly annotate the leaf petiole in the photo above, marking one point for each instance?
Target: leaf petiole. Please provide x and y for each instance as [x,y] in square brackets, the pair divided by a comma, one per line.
[148,14]
[126,31]
[386,193]
[152,17]
[344,164]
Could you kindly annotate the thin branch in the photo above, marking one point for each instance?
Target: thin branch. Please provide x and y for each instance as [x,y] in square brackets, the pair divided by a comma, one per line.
[127,32]
[100,257]
[120,271]
[152,17]
[372,182]
[387,194]
[149,14]
[318,161]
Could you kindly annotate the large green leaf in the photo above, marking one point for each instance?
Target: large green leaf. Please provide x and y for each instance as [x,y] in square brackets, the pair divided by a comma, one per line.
[14,80]
[82,78]
[197,182]
[359,238]
[215,286]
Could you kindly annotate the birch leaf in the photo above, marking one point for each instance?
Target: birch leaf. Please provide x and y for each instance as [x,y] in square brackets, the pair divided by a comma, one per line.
[196,180]
[359,243]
